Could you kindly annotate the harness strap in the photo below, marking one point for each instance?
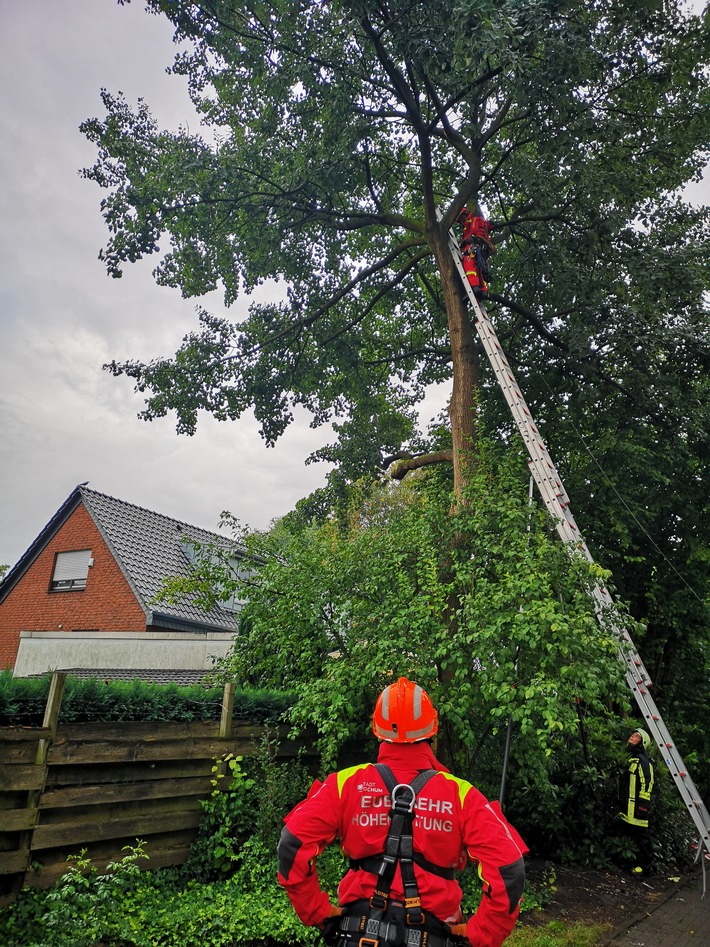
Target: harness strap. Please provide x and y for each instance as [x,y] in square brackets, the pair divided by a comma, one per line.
[480,241]
[372,864]
[359,928]
[399,849]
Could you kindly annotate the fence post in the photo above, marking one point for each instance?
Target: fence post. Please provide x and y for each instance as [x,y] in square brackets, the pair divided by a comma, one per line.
[51,714]
[225,727]
[34,796]
[225,724]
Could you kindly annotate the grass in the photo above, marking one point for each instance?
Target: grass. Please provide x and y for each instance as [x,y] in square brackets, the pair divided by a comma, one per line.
[558,934]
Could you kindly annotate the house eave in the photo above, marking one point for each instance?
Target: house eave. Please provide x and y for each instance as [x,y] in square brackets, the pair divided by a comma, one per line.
[175,623]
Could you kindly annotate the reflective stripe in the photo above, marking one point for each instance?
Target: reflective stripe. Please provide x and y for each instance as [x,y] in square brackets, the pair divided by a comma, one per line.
[386,702]
[344,775]
[417,701]
[417,734]
[639,789]
[386,734]
[463,786]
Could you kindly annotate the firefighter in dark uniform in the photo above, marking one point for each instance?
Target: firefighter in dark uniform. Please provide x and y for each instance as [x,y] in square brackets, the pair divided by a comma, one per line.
[635,792]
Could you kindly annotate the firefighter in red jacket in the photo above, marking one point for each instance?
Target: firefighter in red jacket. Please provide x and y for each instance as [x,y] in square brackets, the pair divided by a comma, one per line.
[449,820]
[476,248]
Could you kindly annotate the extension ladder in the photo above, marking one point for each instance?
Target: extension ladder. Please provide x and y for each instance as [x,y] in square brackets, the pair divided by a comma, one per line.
[557,503]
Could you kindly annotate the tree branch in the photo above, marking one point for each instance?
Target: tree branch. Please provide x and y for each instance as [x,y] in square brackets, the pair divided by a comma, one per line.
[415,463]
[531,318]
[342,292]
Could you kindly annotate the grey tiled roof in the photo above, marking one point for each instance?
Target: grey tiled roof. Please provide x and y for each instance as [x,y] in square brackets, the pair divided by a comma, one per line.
[147,547]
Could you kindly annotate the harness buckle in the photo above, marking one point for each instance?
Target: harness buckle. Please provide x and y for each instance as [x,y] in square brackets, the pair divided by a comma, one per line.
[378,900]
[408,806]
[414,914]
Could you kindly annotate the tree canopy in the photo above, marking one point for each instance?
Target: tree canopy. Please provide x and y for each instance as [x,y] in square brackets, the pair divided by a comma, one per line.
[336,610]
[334,131]
[346,605]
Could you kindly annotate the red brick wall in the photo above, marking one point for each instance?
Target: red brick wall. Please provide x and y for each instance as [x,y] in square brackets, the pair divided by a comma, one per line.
[106,604]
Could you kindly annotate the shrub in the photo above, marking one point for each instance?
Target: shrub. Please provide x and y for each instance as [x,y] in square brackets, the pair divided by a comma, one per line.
[23,700]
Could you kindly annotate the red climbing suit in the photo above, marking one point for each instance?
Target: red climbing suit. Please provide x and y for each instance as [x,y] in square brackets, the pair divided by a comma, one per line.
[476,247]
[453,820]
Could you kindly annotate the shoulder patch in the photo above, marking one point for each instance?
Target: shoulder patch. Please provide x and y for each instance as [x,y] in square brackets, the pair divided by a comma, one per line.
[344,775]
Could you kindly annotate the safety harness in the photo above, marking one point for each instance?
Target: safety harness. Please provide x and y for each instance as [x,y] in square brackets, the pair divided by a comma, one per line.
[364,921]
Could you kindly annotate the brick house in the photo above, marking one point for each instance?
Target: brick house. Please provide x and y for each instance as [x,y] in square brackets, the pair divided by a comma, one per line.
[82,596]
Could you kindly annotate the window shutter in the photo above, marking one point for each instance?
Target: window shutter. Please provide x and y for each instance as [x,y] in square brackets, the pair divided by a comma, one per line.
[71,565]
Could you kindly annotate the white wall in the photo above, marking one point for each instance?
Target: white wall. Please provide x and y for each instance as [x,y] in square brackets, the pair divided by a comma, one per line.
[42,651]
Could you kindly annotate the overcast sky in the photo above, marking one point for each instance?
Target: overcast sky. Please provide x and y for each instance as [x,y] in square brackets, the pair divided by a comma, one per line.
[62,419]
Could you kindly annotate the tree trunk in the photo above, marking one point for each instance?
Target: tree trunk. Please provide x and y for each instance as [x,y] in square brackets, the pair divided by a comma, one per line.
[465,363]
[462,412]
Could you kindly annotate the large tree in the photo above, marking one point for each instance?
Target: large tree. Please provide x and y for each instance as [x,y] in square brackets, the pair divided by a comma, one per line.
[335,130]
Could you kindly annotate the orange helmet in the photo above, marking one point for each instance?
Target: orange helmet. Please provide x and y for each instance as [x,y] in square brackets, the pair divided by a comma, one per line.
[404,713]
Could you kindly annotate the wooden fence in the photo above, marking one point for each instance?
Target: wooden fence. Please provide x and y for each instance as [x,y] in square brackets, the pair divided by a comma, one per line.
[101,786]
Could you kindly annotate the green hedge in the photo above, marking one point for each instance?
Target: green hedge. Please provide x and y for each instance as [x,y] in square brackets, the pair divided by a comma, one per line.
[23,701]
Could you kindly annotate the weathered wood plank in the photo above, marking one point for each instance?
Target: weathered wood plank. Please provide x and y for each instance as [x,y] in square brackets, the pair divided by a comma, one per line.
[162,730]
[23,735]
[18,752]
[15,820]
[118,751]
[114,751]
[84,774]
[131,751]
[116,793]
[130,808]
[79,833]
[8,842]
[136,730]
[13,862]
[21,776]
[12,800]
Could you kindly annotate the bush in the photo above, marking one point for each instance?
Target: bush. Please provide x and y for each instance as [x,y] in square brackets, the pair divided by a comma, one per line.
[83,908]
[165,908]
[23,700]
[247,804]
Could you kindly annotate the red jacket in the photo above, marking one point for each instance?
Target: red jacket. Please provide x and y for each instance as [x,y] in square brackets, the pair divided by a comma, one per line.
[453,820]
[475,227]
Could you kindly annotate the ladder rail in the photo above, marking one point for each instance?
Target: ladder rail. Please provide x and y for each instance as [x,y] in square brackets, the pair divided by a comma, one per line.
[557,504]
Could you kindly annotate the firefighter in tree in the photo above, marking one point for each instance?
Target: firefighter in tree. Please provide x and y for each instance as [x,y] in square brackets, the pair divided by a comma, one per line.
[407,825]
[476,248]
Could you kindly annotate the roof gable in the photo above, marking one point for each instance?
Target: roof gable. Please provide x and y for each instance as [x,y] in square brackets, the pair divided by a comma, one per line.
[147,547]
